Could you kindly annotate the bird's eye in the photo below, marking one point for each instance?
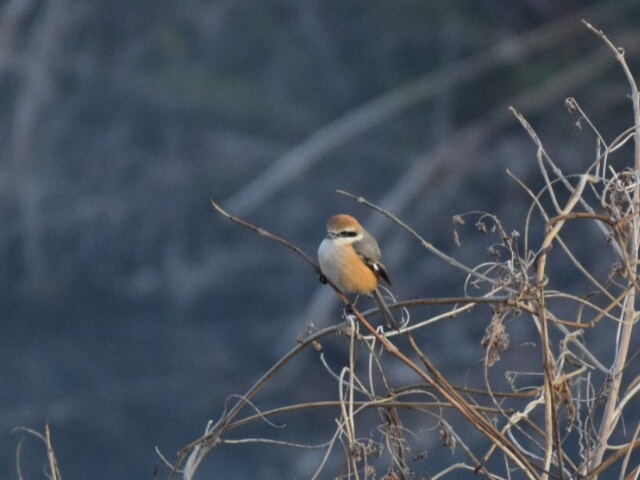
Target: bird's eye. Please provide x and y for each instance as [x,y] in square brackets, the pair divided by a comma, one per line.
[348,233]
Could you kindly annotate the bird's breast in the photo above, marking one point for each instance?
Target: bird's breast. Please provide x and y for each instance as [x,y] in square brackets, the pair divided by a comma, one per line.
[344,267]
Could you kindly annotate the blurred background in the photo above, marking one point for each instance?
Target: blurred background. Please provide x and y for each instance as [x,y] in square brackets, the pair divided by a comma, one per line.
[130,311]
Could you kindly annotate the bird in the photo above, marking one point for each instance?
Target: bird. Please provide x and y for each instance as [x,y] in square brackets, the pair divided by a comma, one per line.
[350,258]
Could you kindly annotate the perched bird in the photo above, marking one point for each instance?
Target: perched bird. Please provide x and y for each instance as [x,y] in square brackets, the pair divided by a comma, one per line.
[350,257]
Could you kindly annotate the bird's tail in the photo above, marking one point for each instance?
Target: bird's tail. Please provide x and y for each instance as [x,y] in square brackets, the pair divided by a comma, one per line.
[384,309]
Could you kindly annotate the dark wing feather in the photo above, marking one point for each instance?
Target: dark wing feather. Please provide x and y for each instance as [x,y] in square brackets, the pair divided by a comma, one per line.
[380,270]
[369,251]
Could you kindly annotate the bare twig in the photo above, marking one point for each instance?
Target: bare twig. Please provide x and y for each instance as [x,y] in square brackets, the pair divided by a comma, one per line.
[438,382]
[514,284]
[54,470]
[608,421]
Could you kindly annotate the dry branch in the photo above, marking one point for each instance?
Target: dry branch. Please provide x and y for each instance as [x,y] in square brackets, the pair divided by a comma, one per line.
[551,405]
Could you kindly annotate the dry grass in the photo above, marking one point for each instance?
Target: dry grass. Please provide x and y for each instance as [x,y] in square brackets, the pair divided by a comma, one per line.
[557,420]
[567,416]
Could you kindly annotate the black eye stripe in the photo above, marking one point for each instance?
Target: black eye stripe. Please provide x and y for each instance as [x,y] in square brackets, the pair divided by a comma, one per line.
[347,234]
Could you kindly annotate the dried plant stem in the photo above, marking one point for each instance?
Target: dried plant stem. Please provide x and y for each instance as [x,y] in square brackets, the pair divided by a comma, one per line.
[196,451]
[54,470]
[438,382]
[629,318]
[568,393]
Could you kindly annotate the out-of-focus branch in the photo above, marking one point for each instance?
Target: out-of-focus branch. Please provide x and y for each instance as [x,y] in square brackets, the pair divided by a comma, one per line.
[384,108]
